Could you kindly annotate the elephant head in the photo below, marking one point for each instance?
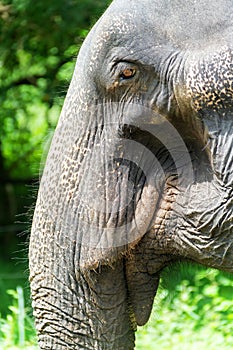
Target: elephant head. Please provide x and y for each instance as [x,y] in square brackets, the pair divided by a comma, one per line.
[139,172]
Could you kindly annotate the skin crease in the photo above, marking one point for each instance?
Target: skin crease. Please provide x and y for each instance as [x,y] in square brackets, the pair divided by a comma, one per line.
[139,173]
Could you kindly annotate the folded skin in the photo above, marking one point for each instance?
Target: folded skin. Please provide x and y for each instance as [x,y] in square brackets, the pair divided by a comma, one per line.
[139,173]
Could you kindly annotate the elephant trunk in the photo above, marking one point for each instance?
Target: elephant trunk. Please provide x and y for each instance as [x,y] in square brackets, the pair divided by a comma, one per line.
[87,310]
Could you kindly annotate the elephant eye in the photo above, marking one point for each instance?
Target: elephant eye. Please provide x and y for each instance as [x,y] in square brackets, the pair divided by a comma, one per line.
[128,73]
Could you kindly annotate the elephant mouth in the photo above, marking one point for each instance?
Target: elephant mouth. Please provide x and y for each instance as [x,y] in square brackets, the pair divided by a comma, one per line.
[145,260]
[125,198]
[169,172]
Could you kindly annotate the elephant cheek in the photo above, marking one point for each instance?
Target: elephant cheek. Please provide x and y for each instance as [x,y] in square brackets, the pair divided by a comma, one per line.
[110,189]
[112,229]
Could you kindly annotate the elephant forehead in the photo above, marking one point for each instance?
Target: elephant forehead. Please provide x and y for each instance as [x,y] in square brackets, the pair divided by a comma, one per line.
[111,31]
[173,21]
[148,29]
[185,19]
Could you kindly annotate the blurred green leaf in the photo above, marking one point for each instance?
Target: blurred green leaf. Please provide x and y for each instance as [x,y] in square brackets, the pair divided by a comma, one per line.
[38,45]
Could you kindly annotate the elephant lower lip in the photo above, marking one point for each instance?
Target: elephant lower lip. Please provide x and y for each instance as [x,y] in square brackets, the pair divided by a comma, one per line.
[142,288]
[143,305]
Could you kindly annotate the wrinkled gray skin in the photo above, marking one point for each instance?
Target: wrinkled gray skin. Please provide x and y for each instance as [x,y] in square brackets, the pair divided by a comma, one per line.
[139,173]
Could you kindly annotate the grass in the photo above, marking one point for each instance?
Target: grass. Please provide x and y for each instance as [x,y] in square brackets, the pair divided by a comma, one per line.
[193,310]
[17,329]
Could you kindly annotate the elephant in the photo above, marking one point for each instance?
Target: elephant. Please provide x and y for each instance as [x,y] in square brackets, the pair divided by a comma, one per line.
[139,174]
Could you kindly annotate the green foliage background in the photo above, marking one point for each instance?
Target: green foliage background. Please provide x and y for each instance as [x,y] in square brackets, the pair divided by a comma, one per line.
[39,41]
